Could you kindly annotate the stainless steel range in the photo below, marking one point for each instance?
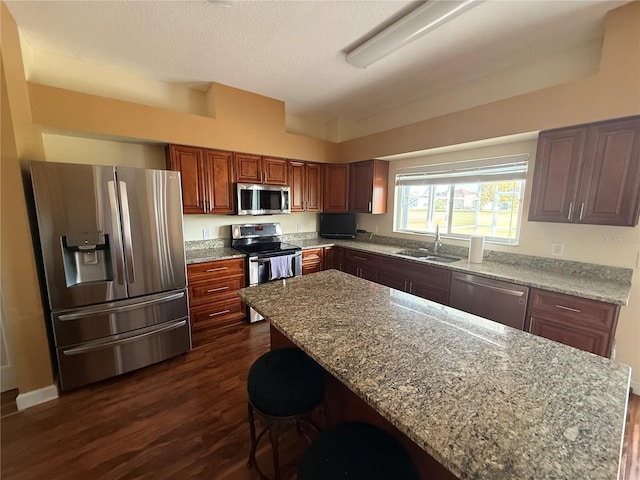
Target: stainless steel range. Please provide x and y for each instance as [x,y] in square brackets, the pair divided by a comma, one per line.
[269,258]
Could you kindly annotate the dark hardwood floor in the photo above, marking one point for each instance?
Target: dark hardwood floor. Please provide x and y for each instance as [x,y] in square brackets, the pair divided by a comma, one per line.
[183,418]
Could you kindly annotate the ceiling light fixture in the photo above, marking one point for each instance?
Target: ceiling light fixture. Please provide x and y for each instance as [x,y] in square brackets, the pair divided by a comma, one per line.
[416,23]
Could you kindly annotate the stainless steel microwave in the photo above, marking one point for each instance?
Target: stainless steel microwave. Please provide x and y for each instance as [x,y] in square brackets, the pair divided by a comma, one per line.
[256,199]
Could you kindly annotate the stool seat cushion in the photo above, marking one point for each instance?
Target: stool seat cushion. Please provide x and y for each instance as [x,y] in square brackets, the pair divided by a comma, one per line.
[285,382]
[356,450]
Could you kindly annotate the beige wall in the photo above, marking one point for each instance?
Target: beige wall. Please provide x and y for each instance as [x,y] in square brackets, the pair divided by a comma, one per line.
[243,122]
[20,291]
[612,92]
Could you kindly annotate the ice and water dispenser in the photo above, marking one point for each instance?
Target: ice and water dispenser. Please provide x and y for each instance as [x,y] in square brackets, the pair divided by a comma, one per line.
[86,257]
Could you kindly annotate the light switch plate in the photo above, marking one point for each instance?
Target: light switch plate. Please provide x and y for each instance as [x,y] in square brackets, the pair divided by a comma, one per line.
[206,233]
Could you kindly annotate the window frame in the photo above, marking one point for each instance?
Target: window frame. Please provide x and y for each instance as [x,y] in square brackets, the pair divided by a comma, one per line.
[486,170]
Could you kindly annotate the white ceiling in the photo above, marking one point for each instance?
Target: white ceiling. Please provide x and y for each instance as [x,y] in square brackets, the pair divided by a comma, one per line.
[294,50]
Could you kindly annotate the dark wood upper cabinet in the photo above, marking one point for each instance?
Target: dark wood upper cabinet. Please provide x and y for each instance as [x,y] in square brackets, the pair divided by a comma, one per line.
[588,174]
[609,192]
[335,188]
[206,176]
[219,168]
[368,186]
[305,182]
[259,169]
[189,162]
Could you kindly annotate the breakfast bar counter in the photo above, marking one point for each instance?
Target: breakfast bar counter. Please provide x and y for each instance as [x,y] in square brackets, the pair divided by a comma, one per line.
[482,399]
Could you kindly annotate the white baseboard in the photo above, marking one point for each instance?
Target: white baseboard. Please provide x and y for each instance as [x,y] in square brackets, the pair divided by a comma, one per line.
[7,378]
[36,397]
[636,387]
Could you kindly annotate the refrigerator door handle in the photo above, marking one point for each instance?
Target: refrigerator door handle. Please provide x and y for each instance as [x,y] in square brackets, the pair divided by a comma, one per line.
[115,220]
[112,343]
[132,306]
[126,231]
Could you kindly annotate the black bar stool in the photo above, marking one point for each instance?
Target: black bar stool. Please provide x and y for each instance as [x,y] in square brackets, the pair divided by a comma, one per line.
[356,451]
[284,385]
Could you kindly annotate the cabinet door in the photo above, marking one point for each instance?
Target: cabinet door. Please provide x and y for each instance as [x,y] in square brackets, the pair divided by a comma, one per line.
[590,340]
[188,161]
[425,290]
[333,258]
[248,168]
[610,188]
[361,187]
[297,185]
[336,188]
[275,171]
[582,323]
[219,168]
[393,280]
[556,174]
[313,187]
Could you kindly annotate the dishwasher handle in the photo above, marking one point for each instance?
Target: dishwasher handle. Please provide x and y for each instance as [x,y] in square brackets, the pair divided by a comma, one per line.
[476,282]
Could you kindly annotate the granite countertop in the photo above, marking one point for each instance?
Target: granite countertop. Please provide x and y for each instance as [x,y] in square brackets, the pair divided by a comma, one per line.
[484,400]
[607,288]
[212,254]
[571,283]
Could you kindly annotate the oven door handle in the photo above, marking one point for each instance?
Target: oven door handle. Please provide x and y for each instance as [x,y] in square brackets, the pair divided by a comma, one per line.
[268,259]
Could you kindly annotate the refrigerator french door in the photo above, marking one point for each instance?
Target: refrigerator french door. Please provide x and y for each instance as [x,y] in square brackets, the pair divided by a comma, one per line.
[113,256]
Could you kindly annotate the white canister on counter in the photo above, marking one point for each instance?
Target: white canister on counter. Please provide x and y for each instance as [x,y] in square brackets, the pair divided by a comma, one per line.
[476,248]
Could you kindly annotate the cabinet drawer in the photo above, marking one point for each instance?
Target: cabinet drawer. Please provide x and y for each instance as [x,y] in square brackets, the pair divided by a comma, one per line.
[312,256]
[415,272]
[214,270]
[225,312]
[213,291]
[573,309]
[361,258]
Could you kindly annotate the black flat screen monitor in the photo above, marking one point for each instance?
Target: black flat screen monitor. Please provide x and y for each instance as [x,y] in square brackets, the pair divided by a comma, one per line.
[338,225]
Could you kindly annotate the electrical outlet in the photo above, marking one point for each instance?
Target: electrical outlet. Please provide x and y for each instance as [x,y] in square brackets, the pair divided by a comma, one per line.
[557,249]
[206,233]
[299,227]
[376,229]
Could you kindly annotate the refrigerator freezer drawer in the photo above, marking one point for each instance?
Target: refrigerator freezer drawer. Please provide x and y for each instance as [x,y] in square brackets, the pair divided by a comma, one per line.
[94,361]
[90,323]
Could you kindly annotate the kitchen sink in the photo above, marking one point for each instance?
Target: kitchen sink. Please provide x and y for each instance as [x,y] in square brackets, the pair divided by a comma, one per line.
[442,258]
[424,255]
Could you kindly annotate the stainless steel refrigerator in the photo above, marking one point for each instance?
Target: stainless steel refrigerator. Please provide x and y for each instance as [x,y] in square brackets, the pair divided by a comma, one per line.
[113,255]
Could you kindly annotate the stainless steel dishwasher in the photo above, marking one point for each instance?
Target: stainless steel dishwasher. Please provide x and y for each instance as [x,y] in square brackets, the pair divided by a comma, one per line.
[501,302]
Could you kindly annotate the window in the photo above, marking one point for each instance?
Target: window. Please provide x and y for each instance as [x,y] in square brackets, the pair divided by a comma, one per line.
[478,197]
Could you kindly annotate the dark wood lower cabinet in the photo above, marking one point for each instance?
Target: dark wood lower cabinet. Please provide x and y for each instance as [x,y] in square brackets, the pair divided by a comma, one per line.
[213,293]
[581,323]
[361,264]
[312,260]
[424,281]
[333,258]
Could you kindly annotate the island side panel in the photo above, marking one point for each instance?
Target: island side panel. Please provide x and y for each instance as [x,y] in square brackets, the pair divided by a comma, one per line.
[344,405]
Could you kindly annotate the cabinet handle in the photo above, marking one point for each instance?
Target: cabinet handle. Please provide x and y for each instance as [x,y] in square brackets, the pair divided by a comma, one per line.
[369,207]
[581,210]
[217,289]
[568,308]
[217,269]
[570,209]
[360,258]
[219,313]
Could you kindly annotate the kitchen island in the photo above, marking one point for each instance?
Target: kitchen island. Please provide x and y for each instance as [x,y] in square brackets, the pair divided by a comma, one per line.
[484,400]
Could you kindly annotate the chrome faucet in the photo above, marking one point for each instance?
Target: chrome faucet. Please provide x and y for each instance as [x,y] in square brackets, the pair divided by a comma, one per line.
[437,243]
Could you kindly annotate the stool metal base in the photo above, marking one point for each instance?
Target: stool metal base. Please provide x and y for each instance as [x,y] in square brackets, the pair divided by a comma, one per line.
[273,426]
